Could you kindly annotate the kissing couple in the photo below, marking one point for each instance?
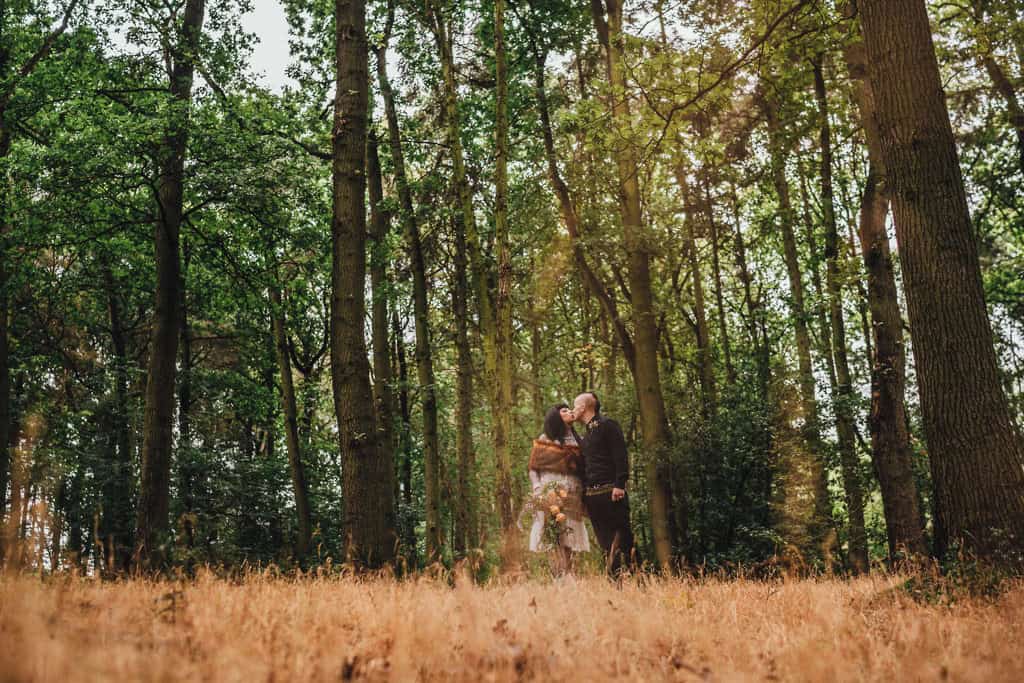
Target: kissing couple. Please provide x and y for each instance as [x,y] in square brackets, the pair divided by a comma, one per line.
[575,475]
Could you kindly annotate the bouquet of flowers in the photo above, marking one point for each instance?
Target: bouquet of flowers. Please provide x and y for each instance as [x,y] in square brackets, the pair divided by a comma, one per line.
[551,501]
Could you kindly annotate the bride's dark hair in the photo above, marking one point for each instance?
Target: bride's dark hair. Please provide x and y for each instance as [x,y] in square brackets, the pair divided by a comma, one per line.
[554,427]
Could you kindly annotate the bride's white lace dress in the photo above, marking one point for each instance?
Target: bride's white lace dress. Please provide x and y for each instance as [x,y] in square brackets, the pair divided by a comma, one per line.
[576,538]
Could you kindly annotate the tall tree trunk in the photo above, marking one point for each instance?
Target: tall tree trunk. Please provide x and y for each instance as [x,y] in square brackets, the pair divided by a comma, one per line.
[537,349]
[405,442]
[304,538]
[757,332]
[890,437]
[151,520]
[421,320]
[18,481]
[501,403]
[844,398]
[186,457]
[368,516]
[57,522]
[822,524]
[465,505]
[383,375]
[116,523]
[5,349]
[478,266]
[651,401]
[977,457]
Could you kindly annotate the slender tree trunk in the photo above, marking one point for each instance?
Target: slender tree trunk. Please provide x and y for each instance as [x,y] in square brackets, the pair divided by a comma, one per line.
[116,523]
[380,226]
[5,349]
[705,363]
[977,457]
[888,421]
[654,421]
[465,507]
[151,522]
[424,357]
[501,404]
[844,398]
[863,313]
[368,512]
[186,465]
[723,328]
[478,268]
[812,430]
[537,349]
[13,548]
[58,519]
[824,327]
[304,539]
[405,440]
[890,437]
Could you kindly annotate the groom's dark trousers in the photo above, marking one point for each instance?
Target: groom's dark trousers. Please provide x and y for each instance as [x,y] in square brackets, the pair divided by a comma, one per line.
[611,525]
[606,467]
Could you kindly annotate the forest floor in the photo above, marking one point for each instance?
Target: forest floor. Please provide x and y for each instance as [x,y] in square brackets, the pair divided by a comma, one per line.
[273,629]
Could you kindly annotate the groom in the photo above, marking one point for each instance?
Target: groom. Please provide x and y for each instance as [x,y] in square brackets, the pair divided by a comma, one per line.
[606,469]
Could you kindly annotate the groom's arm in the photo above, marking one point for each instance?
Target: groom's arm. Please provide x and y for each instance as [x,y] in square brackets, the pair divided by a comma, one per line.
[617,449]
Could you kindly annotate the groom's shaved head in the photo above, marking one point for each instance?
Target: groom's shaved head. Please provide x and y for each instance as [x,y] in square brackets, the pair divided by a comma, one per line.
[587,401]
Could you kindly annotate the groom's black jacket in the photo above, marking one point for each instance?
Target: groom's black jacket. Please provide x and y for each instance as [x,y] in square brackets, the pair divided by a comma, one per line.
[604,453]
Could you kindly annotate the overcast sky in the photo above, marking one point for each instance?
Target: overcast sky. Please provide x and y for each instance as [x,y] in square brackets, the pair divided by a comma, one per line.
[270,58]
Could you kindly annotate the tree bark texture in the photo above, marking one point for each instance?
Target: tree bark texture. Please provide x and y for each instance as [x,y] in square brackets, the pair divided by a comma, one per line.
[383,375]
[116,523]
[654,422]
[887,420]
[478,266]
[501,403]
[5,350]
[185,456]
[466,534]
[977,457]
[151,521]
[368,517]
[421,321]
[405,442]
[843,399]
[304,537]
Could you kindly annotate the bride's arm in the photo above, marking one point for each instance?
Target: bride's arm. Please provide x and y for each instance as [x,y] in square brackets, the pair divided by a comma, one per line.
[535,481]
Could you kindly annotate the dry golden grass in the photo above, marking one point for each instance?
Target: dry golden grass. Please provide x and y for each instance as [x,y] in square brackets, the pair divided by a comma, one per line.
[267,629]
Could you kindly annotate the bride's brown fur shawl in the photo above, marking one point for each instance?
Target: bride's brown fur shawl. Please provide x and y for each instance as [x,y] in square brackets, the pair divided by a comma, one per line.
[550,456]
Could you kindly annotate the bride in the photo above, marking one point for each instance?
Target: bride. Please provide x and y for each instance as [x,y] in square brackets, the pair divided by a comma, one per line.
[556,478]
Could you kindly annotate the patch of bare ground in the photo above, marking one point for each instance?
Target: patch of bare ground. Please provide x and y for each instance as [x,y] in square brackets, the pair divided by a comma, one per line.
[272,629]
